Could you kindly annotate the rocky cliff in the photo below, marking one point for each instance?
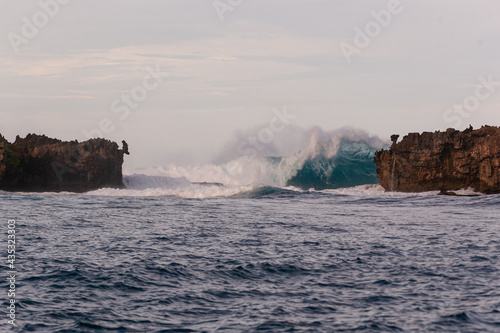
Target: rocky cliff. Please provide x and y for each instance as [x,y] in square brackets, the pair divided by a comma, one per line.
[39,163]
[442,161]
[2,163]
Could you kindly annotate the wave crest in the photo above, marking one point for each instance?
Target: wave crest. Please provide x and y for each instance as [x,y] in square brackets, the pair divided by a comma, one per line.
[326,160]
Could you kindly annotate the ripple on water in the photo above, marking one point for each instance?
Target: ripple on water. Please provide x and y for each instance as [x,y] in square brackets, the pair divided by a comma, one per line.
[322,263]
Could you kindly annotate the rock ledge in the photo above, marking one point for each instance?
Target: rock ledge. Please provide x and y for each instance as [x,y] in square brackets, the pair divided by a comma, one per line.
[442,161]
[38,163]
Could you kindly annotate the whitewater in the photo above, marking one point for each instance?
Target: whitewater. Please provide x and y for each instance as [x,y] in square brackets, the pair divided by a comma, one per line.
[319,161]
[297,238]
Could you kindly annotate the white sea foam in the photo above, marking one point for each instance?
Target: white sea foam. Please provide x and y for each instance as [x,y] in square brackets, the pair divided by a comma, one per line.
[373,189]
[241,174]
[142,182]
[273,166]
[468,191]
[191,192]
[377,189]
[261,169]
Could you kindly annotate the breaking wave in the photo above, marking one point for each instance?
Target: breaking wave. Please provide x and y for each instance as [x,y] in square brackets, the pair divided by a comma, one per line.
[324,160]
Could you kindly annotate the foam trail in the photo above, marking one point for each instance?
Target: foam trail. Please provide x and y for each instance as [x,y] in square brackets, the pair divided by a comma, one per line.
[188,192]
[142,182]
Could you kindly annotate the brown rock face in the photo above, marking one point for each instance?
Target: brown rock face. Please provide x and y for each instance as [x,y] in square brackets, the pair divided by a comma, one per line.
[38,163]
[442,161]
[2,162]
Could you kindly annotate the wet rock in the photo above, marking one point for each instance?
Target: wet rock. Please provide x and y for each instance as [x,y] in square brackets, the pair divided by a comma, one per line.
[39,163]
[442,161]
[2,162]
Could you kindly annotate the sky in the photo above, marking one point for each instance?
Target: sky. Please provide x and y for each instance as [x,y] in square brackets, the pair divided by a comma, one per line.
[179,80]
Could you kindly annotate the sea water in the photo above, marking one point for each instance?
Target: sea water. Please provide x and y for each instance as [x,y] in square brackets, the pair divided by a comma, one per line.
[300,242]
[262,260]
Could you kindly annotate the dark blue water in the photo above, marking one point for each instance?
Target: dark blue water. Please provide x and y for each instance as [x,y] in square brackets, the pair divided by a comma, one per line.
[281,262]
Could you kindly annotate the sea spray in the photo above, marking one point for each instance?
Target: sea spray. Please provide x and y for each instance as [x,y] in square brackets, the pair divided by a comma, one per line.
[326,160]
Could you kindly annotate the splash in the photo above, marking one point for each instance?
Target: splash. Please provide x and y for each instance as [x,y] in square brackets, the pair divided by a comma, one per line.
[324,160]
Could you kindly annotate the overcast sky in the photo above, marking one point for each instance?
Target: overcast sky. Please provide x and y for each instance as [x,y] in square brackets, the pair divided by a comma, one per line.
[228,75]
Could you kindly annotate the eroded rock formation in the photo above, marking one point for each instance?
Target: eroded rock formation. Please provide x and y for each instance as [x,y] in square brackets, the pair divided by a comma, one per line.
[39,163]
[442,161]
[2,163]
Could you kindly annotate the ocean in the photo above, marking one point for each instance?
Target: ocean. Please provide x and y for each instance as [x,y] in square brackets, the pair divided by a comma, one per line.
[308,246]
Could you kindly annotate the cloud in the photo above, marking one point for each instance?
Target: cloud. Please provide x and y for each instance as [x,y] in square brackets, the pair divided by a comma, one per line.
[227,76]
